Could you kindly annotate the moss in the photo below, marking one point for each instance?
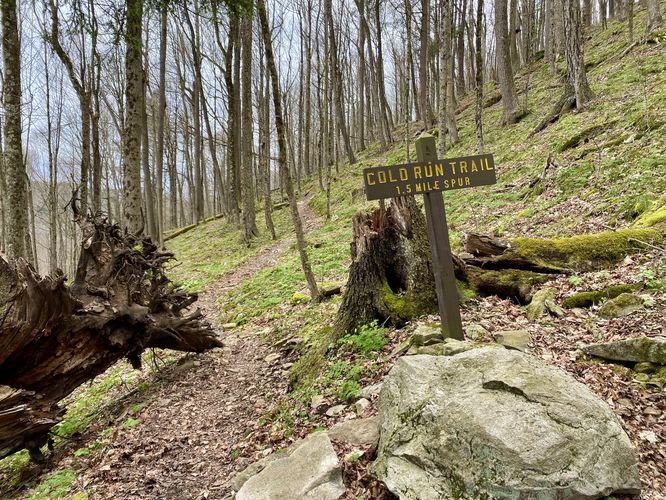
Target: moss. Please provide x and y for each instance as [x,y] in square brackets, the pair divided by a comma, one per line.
[401,307]
[656,219]
[588,299]
[622,305]
[583,136]
[583,252]
[299,298]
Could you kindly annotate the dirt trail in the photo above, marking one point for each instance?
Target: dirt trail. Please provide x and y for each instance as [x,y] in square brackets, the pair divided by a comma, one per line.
[193,430]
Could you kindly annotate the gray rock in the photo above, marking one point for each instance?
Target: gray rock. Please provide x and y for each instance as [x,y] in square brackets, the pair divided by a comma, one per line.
[541,302]
[513,339]
[650,349]
[334,411]
[357,432]
[448,347]
[427,335]
[310,471]
[622,305]
[361,405]
[271,358]
[255,468]
[497,423]
[371,391]
[476,332]
[316,401]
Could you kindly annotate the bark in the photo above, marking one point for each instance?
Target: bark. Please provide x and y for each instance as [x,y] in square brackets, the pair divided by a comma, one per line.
[161,117]
[654,18]
[410,57]
[264,146]
[282,150]
[233,120]
[478,56]
[424,94]
[504,67]
[54,338]
[17,223]
[132,134]
[390,277]
[249,218]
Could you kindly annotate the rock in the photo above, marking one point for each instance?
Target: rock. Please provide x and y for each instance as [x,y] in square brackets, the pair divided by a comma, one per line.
[542,301]
[229,326]
[645,367]
[316,401]
[641,349]
[401,348]
[513,339]
[357,432]
[622,305]
[476,332]
[310,471]
[497,423]
[271,358]
[372,390]
[361,405]
[427,335]
[447,348]
[334,411]
[238,480]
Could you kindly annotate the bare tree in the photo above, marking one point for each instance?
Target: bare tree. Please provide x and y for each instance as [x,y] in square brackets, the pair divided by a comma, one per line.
[282,151]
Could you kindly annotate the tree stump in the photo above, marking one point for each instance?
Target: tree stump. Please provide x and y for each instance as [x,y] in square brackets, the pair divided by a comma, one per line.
[390,278]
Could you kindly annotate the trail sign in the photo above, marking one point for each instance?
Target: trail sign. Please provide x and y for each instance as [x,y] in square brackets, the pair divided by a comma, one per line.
[429,176]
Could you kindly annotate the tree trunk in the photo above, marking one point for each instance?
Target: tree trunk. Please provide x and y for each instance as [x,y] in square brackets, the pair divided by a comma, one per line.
[478,54]
[504,66]
[282,151]
[424,98]
[249,218]
[161,115]
[654,18]
[132,133]
[337,83]
[17,224]
[390,277]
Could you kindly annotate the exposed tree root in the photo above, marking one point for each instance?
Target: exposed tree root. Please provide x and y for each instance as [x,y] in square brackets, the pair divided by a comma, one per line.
[54,338]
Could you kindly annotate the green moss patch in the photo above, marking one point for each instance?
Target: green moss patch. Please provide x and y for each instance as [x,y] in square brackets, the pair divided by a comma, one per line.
[583,252]
[588,299]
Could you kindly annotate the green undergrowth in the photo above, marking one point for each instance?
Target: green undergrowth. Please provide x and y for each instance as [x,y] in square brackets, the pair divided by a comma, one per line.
[99,404]
[215,247]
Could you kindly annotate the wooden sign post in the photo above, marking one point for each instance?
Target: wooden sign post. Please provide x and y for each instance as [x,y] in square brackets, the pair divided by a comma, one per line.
[429,176]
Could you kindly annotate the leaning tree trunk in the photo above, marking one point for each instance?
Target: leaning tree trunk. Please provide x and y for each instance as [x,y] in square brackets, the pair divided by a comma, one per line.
[53,338]
[390,277]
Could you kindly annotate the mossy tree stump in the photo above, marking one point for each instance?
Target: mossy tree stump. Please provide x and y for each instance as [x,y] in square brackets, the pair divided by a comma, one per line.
[390,278]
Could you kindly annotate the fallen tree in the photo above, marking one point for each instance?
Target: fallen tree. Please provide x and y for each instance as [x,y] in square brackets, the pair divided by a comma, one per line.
[53,338]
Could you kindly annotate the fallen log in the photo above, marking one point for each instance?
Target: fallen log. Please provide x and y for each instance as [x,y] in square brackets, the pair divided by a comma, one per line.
[587,252]
[53,338]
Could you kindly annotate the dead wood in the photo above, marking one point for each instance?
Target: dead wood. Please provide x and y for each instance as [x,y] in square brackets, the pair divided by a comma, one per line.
[53,338]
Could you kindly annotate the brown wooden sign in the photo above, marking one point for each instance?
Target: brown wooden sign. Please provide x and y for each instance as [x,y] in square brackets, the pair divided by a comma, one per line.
[428,177]
[423,177]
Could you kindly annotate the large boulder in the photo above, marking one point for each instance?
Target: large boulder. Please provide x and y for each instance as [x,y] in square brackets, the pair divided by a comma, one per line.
[310,470]
[640,349]
[497,423]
